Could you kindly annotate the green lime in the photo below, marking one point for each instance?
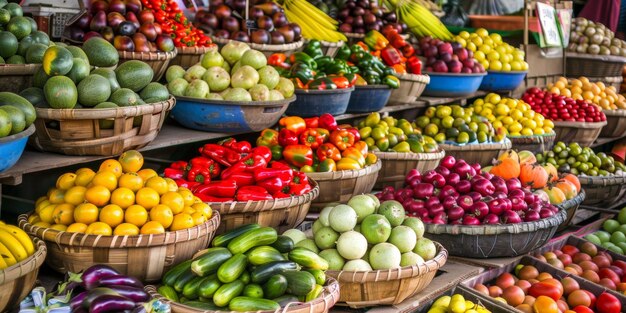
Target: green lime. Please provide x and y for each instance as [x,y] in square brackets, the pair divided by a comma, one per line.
[457,111]
[430,130]
[571,160]
[618,236]
[574,171]
[422,121]
[447,121]
[593,238]
[622,245]
[458,122]
[462,138]
[443,111]
[436,121]
[481,137]
[440,138]
[430,112]
[603,236]
[607,245]
[557,149]
[622,227]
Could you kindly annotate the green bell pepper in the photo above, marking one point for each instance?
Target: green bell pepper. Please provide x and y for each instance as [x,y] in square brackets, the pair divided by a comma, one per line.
[302,72]
[322,83]
[301,57]
[314,49]
[338,67]
[323,62]
[343,53]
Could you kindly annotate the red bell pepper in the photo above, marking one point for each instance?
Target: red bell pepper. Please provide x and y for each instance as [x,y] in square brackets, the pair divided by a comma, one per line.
[200,161]
[173,173]
[263,151]
[299,185]
[186,184]
[407,51]
[355,132]
[238,146]
[278,60]
[281,194]
[298,155]
[248,164]
[273,185]
[327,121]
[222,188]
[199,174]
[252,193]
[243,178]
[342,139]
[324,133]
[391,56]
[206,198]
[414,65]
[312,122]
[340,81]
[220,154]
[328,151]
[295,124]
[179,165]
[312,138]
[287,137]
[282,164]
[285,174]
[268,138]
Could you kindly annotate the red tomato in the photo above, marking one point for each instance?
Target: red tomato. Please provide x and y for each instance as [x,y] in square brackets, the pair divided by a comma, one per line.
[545,289]
[582,309]
[608,303]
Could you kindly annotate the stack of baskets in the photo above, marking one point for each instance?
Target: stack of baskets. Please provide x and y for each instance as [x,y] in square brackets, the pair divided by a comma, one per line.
[570,206]
[615,124]
[582,132]
[411,87]
[603,190]
[481,153]
[18,280]
[395,166]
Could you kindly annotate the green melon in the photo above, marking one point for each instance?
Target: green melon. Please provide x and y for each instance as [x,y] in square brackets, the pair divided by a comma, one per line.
[40,78]
[100,52]
[110,75]
[8,44]
[19,26]
[35,53]
[24,44]
[154,92]
[93,89]
[18,119]
[57,61]
[14,8]
[77,52]
[125,97]
[34,95]
[16,59]
[60,92]
[21,103]
[41,37]
[134,75]
[80,70]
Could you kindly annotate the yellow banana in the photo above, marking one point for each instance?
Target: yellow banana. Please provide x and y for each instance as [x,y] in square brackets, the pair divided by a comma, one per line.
[314,23]
[13,244]
[3,264]
[21,236]
[6,255]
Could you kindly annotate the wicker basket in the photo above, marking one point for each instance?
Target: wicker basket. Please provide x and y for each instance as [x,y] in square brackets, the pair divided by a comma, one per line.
[589,65]
[411,87]
[492,241]
[158,61]
[281,214]
[397,164]
[18,280]
[581,132]
[482,153]
[340,186]
[384,287]
[267,50]
[186,57]
[328,298]
[17,77]
[570,206]
[78,132]
[603,190]
[146,257]
[615,124]
[534,144]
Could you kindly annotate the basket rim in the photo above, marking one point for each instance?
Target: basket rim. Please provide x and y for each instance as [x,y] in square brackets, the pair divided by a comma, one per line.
[601,180]
[616,112]
[330,289]
[506,144]
[263,47]
[147,56]
[117,242]
[346,174]
[192,50]
[552,134]
[420,78]
[488,230]
[82,114]
[323,92]
[457,74]
[39,256]
[272,103]
[18,69]
[25,133]
[377,86]
[578,199]
[604,58]
[411,155]
[328,43]
[411,271]
[579,124]
[505,73]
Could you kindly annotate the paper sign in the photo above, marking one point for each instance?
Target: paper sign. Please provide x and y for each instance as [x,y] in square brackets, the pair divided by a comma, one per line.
[565,19]
[549,28]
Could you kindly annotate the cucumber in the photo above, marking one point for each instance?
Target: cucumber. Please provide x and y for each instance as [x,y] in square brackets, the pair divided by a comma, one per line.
[263,272]
[308,258]
[316,292]
[245,277]
[168,292]
[264,254]
[223,239]
[190,290]
[283,244]
[209,262]
[320,276]
[202,305]
[275,286]
[227,292]
[183,279]
[284,300]
[170,277]
[299,283]
[209,287]
[253,291]
[256,237]
[244,304]
[230,270]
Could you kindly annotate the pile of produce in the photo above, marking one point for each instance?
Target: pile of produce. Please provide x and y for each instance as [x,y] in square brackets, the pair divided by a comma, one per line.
[531,291]
[456,303]
[18,35]
[15,245]
[234,171]
[223,20]
[236,73]
[589,263]
[448,57]
[577,160]
[492,52]
[561,108]
[314,23]
[594,38]
[514,115]
[612,236]
[120,198]
[16,113]
[249,268]
[597,93]
[175,24]
[361,17]
[365,235]
[418,19]
[457,125]
[317,144]
[389,134]
[459,193]
[392,49]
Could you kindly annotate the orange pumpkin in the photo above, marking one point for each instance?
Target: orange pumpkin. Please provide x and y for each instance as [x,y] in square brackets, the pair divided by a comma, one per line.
[572,179]
[553,175]
[506,168]
[555,195]
[567,187]
[526,156]
[509,154]
[533,175]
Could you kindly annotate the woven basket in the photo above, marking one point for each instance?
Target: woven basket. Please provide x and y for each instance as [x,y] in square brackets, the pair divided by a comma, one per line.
[146,257]
[17,77]
[589,65]
[78,132]
[186,57]
[267,50]
[17,281]
[158,61]
[602,190]
[322,304]
[615,124]
[397,164]
[581,132]
[340,186]
[411,87]
[493,241]
[482,153]
[384,287]
[281,214]
[534,144]
[570,206]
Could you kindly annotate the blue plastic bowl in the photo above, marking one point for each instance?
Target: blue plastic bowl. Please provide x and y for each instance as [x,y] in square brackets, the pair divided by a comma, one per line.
[228,116]
[502,81]
[311,103]
[453,85]
[369,98]
[11,147]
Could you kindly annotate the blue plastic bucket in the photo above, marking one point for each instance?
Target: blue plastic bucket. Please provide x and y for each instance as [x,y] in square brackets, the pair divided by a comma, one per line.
[502,81]
[453,85]
[369,98]
[11,147]
[311,103]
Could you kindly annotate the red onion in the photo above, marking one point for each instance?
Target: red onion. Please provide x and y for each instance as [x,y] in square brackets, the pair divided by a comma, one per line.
[508,205]
[456,222]
[475,195]
[531,216]
[491,219]
[510,217]
[499,195]
[487,175]
[423,190]
[452,179]
[513,183]
[427,219]
[518,204]
[545,213]
[389,189]
[463,186]
[465,202]
[447,191]
[476,167]
[496,206]
[442,170]
[516,193]
[413,175]
[455,212]
[448,202]
[438,180]
[462,168]
[470,220]
[448,162]
[484,187]
[479,209]
[500,184]
[434,209]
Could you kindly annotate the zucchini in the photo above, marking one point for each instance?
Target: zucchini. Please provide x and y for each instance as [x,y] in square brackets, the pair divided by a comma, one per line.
[209,286]
[283,244]
[263,272]
[183,279]
[284,300]
[275,286]
[308,258]
[244,304]
[209,262]
[190,290]
[299,283]
[227,292]
[253,291]
[223,239]
[264,254]
[168,292]
[316,292]
[230,270]
[320,276]
[170,277]
[209,306]
[256,237]
[245,277]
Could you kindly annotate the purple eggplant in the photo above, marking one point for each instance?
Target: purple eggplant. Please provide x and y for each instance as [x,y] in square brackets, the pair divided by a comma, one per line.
[77,300]
[111,303]
[94,274]
[95,293]
[120,280]
[133,293]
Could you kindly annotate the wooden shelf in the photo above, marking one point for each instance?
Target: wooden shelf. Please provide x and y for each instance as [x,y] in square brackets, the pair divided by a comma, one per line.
[603,141]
